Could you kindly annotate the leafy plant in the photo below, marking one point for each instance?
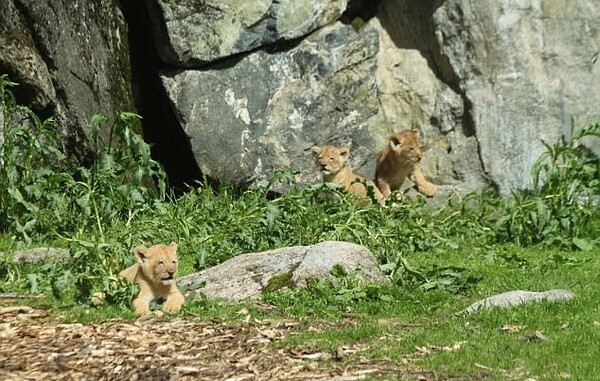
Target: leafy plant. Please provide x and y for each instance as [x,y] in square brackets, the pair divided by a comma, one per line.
[47,198]
[45,195]
[566,190]
[126,155]
[123,181]
[29,158]
[453,279]
[330,297]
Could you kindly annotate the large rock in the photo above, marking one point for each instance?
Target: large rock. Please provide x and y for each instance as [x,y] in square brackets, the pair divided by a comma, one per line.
[518,297]
[38,255]
[526,67]
[248,275]
[265,112]
[338,86]
[196,32]
[72,60]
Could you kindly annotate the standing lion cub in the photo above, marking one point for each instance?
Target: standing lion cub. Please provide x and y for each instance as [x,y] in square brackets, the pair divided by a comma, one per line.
[155,273]
[332,163]
[398,160]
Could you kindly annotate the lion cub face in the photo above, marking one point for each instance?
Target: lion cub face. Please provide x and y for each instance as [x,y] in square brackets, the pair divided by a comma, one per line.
[158,263]
[405,145]
[330,159]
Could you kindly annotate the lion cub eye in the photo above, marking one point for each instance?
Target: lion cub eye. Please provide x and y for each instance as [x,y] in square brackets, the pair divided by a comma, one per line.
[161,262]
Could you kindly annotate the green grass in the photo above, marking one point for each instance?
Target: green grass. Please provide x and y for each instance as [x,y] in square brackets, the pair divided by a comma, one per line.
[481,342]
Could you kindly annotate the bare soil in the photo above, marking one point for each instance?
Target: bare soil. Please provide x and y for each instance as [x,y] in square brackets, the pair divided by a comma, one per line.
[33,347]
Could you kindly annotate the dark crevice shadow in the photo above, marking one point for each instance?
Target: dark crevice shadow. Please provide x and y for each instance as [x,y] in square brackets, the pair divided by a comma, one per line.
[360,11]
[170,145]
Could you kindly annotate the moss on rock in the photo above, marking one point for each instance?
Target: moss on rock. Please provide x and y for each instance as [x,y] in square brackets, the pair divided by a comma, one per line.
[280,281]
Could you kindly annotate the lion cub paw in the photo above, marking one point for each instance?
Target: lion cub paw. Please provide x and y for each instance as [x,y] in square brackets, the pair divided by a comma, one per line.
[141,308]
[428,189]
[173,305]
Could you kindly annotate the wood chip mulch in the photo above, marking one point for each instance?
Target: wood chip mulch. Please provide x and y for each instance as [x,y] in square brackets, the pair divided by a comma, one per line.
[33,348]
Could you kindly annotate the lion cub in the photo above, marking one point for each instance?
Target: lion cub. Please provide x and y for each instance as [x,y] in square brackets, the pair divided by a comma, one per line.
[155,273]
[332,163]
[399,160]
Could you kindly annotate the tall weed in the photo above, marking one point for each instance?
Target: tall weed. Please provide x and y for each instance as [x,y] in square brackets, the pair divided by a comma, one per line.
[564,199]
[123,183]
[44,196]
[29,158]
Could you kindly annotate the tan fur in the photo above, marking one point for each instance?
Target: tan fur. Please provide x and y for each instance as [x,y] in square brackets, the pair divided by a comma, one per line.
[399,160]
[155,273]
[332,163]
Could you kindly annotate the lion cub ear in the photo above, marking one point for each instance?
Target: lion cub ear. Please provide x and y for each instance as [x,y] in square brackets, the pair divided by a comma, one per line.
[141,254]
[344,153]
[173,246]
[395,142]
[316,151]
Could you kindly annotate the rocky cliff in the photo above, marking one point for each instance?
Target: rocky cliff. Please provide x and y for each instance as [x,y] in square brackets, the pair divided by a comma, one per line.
[235,90]
[71,60]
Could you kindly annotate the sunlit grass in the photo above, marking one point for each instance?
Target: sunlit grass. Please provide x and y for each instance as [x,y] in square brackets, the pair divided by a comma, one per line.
[541,340]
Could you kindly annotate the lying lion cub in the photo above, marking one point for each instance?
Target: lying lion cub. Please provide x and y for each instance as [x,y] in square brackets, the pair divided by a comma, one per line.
[332,162]
[398,160]
[155,273]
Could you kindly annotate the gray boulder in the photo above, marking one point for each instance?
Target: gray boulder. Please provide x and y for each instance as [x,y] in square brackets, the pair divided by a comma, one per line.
[515,298]
[266,112]
[248,275]
[191,32]
[338,86]
[39,254]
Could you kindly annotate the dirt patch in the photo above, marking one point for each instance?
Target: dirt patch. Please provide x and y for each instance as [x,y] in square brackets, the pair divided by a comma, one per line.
[184,349]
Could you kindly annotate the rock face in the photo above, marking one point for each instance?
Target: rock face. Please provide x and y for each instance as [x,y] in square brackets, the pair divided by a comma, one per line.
[70,59]
[247,275]
[255,84]
[525,70]
[341,85]
[483,81]
[193,32]
[265,112]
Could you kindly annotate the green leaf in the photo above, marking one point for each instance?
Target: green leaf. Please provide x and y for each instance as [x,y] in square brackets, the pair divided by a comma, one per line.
[583,244]
[32,282]
[95,125]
